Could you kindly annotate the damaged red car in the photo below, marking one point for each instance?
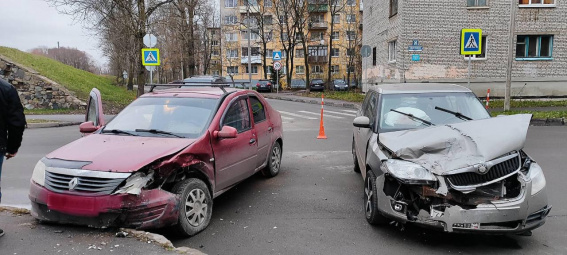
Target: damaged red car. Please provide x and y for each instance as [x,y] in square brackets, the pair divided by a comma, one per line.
[161,161]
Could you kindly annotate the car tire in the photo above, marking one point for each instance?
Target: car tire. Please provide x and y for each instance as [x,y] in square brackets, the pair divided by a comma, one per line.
[274,161]
[371,212]
[193,191]
[355,159]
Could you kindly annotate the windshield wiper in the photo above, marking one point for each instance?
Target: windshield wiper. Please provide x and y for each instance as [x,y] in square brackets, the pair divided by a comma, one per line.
[157,131]
[118,131]
[411,116]
[457,114]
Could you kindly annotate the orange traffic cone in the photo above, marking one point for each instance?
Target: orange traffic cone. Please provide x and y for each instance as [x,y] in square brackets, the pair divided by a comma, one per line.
[321,125]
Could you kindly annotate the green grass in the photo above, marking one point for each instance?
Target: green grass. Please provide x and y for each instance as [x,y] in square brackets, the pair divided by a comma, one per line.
[338,95]
[520,103]
[40,121]
[536,114]
[52,111]
[78,81]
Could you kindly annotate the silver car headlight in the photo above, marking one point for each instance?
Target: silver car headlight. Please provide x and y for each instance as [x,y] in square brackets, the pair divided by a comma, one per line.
[537,177]
[38,175]
[408,172]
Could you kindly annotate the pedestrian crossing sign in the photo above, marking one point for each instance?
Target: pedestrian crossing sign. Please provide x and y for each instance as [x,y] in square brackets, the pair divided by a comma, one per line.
[150,57]
[471,41]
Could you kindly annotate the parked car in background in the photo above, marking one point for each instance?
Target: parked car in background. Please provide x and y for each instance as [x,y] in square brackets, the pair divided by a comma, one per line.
[430,154]
[297,84]
[339,85]
[160,161]
[317,84]
[264,85]
[203,80]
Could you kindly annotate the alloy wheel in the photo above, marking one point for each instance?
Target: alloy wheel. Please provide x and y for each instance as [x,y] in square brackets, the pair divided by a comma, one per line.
[368,193]
[276,159]
[196,206]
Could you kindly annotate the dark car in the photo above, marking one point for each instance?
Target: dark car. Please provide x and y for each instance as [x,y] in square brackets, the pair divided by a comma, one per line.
[297,84]
[317,84]
[159,162]
[264,85]
[339,85]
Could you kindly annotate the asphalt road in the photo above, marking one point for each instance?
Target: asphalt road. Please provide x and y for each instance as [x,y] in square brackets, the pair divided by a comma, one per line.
[314,206]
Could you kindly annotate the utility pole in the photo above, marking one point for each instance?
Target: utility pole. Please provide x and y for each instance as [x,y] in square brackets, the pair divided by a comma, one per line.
[249,51]
[507,94]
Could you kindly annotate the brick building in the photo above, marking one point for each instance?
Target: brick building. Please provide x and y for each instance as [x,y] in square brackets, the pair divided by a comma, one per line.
[540,44]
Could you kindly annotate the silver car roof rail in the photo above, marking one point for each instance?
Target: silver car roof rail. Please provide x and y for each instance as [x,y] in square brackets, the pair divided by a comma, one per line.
[222,86]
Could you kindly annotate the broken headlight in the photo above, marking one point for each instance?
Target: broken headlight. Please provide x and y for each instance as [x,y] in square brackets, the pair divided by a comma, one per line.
[408,172]
[135,183]
[538,179]
[38,175]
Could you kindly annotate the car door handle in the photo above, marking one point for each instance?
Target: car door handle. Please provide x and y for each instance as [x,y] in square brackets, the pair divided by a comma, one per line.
[252,141]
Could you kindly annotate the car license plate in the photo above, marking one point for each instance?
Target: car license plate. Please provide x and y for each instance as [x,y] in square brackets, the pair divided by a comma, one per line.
[467,225]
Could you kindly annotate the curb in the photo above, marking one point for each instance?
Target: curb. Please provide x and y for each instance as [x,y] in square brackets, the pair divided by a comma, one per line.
[314,101]
[160,240]
[52,124]
[547,122]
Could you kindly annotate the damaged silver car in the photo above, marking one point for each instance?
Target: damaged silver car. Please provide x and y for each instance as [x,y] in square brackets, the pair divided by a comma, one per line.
[430,154]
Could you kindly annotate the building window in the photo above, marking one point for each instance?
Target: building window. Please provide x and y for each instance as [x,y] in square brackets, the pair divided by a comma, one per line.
[269,53]
[335,36]
[268,19]
[253,36]
[230,3]
[254,69]
[317,51]
[335,52]
[230,53]
[350,69]
[351,18]
[534,46]
[317,36]
[350,52]
[351,35]
[215,43]
[282,19]
[393,7]
[216,72]
[230,20]
[231,37]
[317,69]
[268,3]
[336,2]
[537,3]
[336,18]
[215,53]
[284,36]
[351,2]
[299,53]
[255,51]
[374,56]
[299,69]
[335,69]
[482,54]
[392,51]
[476,3]
[232,69]
[284,54]
[269,36]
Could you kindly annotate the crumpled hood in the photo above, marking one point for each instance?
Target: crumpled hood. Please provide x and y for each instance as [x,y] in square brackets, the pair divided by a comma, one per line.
[444,148]
[118,153]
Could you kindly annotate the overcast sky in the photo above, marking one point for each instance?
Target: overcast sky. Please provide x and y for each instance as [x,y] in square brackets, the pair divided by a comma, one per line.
[26,24]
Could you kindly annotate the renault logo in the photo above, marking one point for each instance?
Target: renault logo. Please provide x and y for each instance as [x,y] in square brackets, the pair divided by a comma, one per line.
[482,169]
[73,183]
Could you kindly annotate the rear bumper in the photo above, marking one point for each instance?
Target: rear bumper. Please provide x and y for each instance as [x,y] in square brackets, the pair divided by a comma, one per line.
[526,212]
[151,209]
[269,88]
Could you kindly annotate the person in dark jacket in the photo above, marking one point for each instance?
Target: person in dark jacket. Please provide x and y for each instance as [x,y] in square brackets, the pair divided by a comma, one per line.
[12,125]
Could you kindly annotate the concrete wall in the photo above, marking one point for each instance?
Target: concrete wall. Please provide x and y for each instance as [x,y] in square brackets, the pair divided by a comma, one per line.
[36,91]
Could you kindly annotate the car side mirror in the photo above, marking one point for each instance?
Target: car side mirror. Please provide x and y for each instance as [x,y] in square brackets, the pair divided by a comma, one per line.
[87,127]
[226,132]
[361,122]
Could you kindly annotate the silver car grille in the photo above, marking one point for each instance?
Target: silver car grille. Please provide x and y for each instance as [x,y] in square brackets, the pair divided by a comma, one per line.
[89,182]
[495,173]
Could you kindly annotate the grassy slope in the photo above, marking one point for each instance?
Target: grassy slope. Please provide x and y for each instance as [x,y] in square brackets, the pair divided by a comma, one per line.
[78,81]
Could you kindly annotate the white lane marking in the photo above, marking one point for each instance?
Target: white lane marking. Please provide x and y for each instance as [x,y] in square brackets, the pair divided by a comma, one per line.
[314,113]
[297,115]
[286,118]
[341,113]
[352,111]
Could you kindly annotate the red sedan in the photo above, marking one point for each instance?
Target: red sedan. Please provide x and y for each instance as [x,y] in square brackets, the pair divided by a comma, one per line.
[160,162]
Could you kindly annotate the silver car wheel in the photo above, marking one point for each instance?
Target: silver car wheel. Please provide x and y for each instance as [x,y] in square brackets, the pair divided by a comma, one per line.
[368,193]
[196,206]
[276,158]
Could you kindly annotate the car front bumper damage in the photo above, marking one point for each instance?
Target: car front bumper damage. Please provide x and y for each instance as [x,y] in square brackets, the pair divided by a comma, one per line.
[502,216]
[150,209]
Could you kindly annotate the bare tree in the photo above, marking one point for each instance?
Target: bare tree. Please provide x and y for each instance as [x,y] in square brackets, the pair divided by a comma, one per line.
[69,56]
[301,10]
[353,35]
[336,8]
[286,24]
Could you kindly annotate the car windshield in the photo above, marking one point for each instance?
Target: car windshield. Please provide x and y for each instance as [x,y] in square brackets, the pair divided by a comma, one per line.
[340,82]
[426,106]
[184,117]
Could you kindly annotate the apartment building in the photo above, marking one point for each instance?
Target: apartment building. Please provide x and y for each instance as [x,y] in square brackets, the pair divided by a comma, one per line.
[344,15]
[539,66]
[214,37]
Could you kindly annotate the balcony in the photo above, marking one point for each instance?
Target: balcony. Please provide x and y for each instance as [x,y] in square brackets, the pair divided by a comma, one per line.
[318,8]
[253,60]
[318,59]
[318,25]
[253,9]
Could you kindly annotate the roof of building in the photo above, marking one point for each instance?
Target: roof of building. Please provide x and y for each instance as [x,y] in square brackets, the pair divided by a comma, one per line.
[403,88]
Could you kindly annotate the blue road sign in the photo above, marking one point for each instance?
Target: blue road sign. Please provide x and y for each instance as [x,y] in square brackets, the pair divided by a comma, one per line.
[150,57]
[415,43]
[415,48]
[471,41]
[415,57]
[277,55]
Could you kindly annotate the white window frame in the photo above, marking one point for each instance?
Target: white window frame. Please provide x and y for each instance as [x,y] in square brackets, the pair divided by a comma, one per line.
[268,3]
[253,67]
[338,36]
[476,5]
[349,18]
[300,55]
[297,71]
[269,53]
[230,55]
[348,37]
[484,47]
[540,5]
[317,71]
[336,19]
[232,6]
[353,3]
[335,70]
[231,37]
[392,51]
[215,53]
[232,67]
[338,52]
[214,43]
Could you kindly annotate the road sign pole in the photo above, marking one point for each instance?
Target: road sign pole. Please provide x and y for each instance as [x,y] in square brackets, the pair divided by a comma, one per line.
[277,81]
[469,73]
[151,76]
